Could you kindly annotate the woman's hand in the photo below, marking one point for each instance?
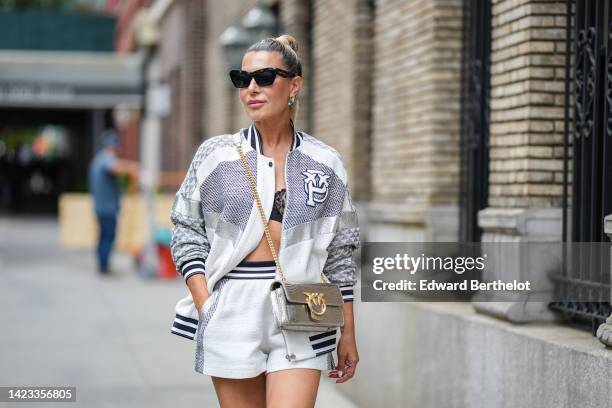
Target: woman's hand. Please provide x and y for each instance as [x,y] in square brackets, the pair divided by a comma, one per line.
[347,348]
[199,290]
[347,358]
[199,303]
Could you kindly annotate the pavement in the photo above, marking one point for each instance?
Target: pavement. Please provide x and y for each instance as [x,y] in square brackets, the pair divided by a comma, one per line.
[63,325]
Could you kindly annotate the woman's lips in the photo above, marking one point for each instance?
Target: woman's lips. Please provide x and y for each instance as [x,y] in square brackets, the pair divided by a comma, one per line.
[255,104]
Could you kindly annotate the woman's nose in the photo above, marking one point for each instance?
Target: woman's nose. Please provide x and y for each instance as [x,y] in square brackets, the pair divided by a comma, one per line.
[253,84]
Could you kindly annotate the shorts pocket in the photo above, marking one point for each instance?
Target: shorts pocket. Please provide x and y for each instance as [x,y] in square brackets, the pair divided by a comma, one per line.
[206,314]
[207,303]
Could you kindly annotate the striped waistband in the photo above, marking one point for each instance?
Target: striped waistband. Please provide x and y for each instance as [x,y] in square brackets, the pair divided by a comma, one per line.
[253,270]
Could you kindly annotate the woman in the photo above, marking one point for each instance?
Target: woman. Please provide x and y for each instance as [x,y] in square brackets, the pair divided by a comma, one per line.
[219,246]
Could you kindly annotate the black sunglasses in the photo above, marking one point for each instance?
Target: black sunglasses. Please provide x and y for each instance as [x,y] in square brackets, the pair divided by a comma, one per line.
[263,77]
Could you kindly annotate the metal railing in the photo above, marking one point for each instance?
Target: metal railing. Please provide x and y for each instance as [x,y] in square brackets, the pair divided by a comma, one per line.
[588,129]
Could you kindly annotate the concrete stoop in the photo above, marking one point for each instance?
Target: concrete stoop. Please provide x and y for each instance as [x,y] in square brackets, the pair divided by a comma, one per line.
[445,355]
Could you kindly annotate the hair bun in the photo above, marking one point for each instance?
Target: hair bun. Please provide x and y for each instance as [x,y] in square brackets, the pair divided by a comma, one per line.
[289,41]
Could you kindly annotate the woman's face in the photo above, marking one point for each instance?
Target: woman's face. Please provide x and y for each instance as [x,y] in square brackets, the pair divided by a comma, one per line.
[265,102]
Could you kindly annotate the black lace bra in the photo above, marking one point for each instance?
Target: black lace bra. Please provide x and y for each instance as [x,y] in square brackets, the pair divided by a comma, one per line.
[278,209]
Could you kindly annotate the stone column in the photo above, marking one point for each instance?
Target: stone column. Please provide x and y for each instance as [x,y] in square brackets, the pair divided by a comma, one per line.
[526,144]
[604,332]
[519,227]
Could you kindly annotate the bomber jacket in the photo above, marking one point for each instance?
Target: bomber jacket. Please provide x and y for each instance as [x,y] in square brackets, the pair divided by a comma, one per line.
[216,223]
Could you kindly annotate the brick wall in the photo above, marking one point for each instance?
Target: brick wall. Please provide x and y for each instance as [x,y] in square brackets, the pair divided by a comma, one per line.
[224,112]
[124,30]
[174,139]
[415,134]
[295,20]
[527,86]
[341,60]
[195,76]
[182,64]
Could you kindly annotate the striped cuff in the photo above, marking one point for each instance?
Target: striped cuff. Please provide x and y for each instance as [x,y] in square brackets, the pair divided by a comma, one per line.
[347,292]
[184,326]
[324,342]
[193,267]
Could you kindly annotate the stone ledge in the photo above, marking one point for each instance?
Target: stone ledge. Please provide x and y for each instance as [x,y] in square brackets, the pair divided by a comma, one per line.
[401,213]
[521,221]
[550,333]
[442,355]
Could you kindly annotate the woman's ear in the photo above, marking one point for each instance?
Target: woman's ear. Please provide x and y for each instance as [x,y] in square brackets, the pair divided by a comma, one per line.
[296,85]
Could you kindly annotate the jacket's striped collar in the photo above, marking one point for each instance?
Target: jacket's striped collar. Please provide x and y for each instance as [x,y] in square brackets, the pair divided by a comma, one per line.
[254,138]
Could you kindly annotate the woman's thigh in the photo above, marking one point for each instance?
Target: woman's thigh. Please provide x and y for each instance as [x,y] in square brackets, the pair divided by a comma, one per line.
[296,388]
[241,393]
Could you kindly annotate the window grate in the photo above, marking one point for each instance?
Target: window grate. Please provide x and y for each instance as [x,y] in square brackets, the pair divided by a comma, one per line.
[589,85]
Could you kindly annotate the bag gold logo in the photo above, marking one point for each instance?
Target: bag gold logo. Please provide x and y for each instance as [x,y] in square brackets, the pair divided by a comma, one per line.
[316,300]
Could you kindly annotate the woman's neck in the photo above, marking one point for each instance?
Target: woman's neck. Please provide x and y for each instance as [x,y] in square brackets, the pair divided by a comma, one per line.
[275,133]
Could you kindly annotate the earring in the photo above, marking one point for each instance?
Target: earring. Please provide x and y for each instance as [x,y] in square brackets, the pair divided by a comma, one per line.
[291,101]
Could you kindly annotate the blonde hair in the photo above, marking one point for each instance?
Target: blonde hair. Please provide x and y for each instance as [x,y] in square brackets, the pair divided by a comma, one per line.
[287,46]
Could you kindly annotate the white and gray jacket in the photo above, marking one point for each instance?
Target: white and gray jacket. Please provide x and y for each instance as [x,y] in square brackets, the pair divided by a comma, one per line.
[216,220]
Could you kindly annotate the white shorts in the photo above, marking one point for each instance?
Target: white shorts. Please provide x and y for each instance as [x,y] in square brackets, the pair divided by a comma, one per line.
[237,336]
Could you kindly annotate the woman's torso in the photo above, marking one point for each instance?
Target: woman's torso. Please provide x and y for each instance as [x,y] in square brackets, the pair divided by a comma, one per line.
[262,251]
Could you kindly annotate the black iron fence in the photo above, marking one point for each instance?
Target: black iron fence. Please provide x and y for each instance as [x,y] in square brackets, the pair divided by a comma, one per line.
[475,95]
[588,149]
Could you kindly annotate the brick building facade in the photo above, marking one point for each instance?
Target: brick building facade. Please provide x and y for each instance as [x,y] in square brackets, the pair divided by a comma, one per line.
[383,85]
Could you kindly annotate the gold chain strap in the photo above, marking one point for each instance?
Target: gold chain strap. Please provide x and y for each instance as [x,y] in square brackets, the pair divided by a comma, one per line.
[262,215]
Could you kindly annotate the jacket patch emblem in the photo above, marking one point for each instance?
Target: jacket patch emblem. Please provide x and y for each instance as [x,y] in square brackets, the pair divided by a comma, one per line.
[316,186]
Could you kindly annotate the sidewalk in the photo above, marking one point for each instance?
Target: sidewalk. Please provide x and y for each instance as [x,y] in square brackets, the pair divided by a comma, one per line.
[64,325]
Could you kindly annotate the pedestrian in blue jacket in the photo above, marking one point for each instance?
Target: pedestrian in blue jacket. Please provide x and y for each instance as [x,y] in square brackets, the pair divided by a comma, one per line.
[105,190]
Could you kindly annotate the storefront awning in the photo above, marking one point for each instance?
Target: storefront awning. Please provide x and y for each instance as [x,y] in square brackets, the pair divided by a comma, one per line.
[69,80]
